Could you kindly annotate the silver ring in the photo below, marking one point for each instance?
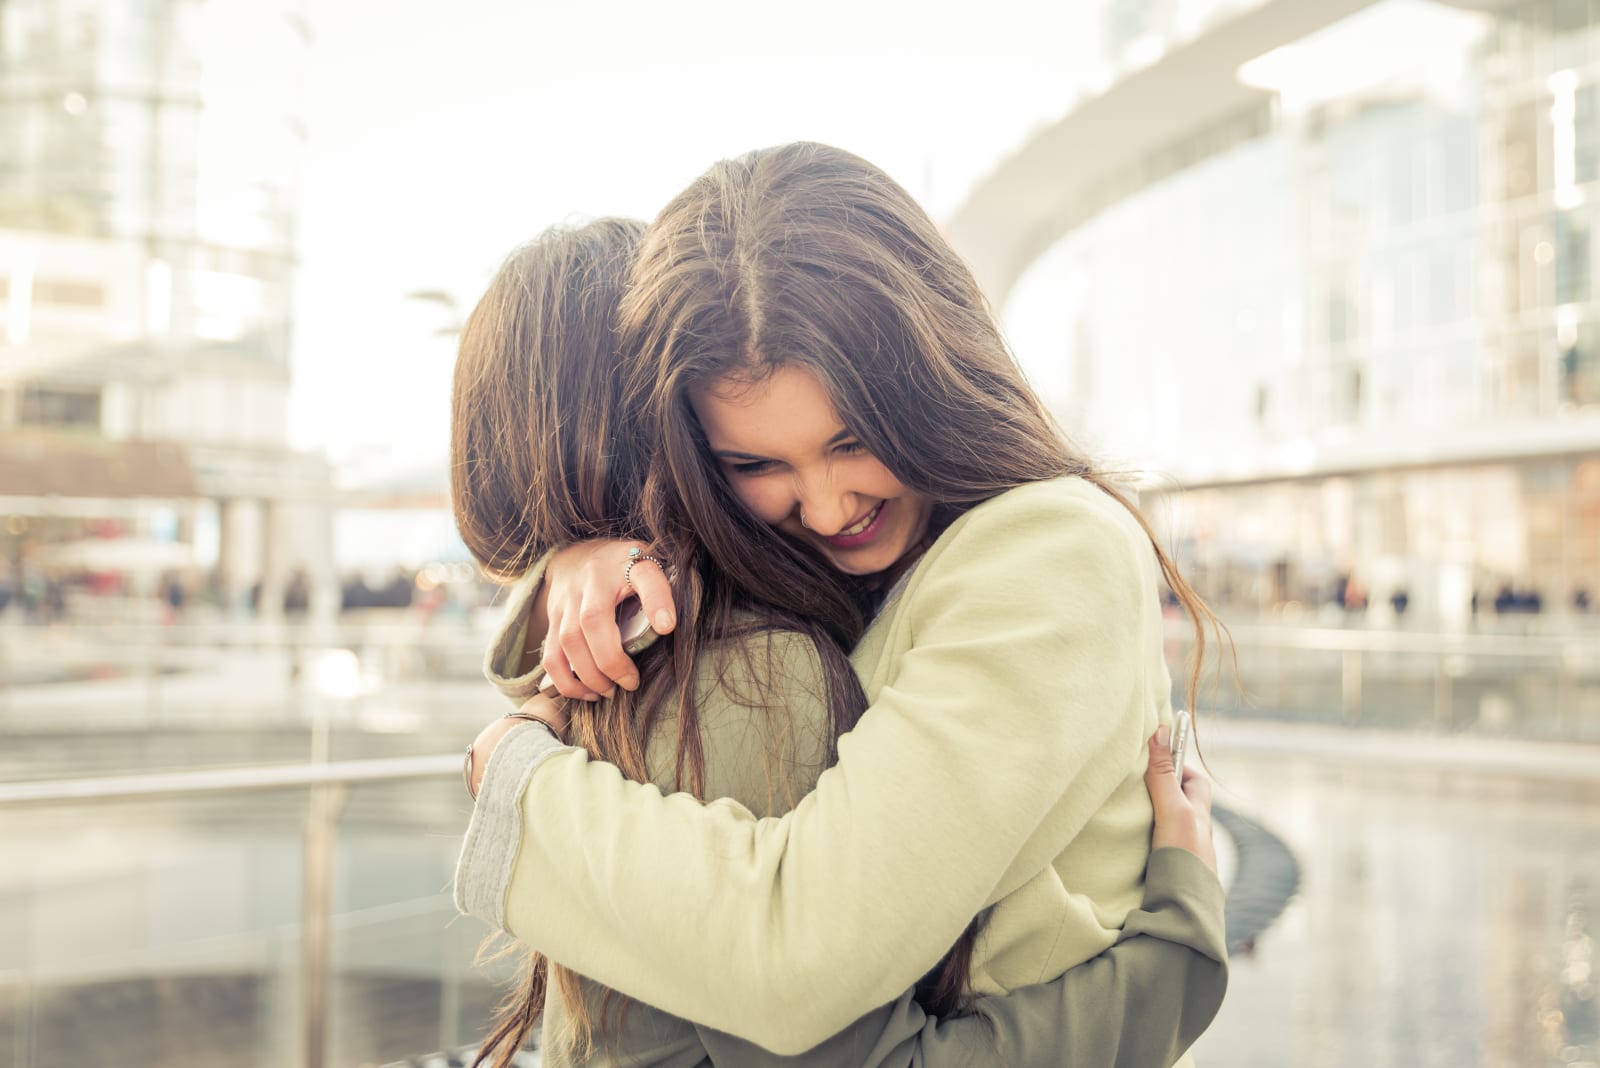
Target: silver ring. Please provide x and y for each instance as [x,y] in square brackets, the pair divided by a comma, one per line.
[803,519]
[637,556]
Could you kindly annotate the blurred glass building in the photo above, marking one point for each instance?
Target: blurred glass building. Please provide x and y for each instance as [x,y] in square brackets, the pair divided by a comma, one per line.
[149,157]
[1330,267]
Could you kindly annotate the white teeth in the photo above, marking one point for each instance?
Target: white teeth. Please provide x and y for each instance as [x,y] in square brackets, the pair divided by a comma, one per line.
[863,525]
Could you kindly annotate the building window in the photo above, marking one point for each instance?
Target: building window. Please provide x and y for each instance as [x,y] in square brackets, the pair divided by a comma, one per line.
[70,294]
[59,407]
[1580,367]
[1572,254]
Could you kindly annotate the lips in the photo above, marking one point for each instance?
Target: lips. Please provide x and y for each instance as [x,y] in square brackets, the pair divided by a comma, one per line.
[860,533]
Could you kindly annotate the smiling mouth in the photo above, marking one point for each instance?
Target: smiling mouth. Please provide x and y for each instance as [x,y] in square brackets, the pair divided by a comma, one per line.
[863,524]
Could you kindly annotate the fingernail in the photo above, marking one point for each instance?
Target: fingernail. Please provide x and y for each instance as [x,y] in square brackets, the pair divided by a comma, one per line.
[591,697]
[1163,736]
[663,620]
[611,693]
[629,682]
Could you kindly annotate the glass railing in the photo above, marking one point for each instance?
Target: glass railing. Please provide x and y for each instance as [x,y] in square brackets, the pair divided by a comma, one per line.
[80,700]
[270,915]
[1542,686]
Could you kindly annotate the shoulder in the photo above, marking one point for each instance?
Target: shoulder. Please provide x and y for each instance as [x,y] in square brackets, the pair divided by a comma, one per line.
[761,699]
[1060,524]
[1051,501]
[762,657]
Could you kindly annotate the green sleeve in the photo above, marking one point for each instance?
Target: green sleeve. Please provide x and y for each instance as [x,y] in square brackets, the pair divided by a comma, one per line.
[1023,697]
[503,661]
[1140,1004]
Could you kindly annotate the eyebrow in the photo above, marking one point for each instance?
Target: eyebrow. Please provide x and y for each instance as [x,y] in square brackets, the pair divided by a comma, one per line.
[735,454]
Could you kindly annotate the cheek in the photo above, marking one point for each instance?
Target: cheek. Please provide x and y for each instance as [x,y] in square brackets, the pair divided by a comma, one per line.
[880,482]
[767,501]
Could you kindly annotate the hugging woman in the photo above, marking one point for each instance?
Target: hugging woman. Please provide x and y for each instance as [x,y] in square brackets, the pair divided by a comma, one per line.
[825,436]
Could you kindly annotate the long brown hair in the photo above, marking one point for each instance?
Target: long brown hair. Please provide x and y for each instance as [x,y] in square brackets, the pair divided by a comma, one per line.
[542,454]
[808,255]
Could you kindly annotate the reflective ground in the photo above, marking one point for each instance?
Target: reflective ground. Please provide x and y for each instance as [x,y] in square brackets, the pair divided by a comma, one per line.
[1446,914]
[1445,917]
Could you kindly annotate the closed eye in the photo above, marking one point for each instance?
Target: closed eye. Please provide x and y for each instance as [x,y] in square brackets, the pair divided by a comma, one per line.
[751,467]
[852,448]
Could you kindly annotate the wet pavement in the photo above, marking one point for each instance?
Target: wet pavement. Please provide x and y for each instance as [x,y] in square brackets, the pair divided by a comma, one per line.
[1446,912]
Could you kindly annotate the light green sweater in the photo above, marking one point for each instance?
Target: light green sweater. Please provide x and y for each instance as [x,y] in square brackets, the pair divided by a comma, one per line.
[1013,681]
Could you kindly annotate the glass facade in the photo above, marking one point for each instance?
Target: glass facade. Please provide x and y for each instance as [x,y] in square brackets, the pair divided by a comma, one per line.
[1368,341]
[149,168]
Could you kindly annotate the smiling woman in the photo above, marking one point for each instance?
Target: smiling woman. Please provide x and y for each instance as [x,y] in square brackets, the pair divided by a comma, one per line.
[795,466]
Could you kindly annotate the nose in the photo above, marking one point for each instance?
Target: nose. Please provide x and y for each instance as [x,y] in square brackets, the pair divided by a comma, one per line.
[825,509]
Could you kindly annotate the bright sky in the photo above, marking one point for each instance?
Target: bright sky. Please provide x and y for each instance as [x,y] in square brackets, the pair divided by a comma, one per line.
[442,137]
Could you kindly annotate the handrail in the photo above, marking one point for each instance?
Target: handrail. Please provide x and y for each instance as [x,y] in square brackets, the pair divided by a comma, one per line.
[327,783]
[229,780]
[1372,640]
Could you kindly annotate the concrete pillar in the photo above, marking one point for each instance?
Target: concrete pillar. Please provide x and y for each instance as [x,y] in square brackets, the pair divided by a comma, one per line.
[274,565]
[227,574]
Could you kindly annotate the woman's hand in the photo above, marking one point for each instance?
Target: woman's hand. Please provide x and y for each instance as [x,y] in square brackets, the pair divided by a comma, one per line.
[1183,811]
[584,584]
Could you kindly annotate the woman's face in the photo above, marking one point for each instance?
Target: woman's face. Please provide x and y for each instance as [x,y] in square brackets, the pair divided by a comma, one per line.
[790,459]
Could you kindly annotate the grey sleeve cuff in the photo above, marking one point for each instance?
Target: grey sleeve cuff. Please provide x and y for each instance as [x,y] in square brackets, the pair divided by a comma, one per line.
[483,873]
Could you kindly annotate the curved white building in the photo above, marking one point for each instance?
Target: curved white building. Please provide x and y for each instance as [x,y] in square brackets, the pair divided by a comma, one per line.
[1329,266]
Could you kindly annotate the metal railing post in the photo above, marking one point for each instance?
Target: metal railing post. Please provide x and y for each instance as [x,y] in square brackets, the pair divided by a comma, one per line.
[1443,696]
[317,915]
[5,668]
[152,692]
[1350,685]
[22,1041]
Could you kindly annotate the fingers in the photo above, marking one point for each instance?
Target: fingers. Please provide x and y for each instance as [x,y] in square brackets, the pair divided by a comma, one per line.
[655,595]
[584,655]
[560,675]
[596,651]
[1197,788]
[1182,811]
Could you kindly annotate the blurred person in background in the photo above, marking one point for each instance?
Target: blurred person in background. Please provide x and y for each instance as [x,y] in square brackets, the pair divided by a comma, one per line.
[746,702]
[875,448]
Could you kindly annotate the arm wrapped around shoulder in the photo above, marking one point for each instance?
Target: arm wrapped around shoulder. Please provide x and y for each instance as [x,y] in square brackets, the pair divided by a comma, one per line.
[1019,701]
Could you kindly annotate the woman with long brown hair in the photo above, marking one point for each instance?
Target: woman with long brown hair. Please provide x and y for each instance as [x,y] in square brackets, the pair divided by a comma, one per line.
[541,457]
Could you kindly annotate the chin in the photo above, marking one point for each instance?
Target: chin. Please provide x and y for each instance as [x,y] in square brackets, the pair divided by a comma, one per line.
[865,564]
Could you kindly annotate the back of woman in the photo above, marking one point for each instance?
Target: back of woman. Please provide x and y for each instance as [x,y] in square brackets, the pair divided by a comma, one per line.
[741,704]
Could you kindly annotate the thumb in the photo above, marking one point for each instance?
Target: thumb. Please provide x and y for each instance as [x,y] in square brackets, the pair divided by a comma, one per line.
[1158,776]
[1161,752]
